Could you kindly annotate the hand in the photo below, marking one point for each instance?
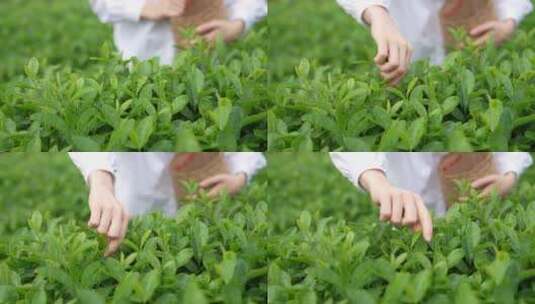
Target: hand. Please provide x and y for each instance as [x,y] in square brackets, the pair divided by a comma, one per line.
[226,29]
[157,10]
[108,216]
[502,183]
[224,182]
[500,31]
[397,206]
[394,52]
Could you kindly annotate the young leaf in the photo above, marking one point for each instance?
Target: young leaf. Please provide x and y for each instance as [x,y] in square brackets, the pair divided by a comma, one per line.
[227,266]
[494,113]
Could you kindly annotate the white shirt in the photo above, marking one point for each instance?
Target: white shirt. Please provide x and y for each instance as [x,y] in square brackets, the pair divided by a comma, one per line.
[147,39]
[142,180]
[419,23]
[417,172]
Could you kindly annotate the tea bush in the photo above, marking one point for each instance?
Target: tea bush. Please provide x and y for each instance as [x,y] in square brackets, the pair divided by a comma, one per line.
[209,252]
[327,245]
[64,89]
[327,95]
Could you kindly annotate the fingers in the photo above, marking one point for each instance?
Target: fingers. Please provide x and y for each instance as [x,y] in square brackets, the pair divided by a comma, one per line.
[94,219]
[115,243]
[482,41]
[424,218]
[105,220]
[212,180]
[486,192]
[385,211]
[406,208]
[393,59]
[482,29]
[395,81]
[116,223]
[382,53]
[397,209]
[113,246]
[485,181]
[110,222]
[410,215]
[399,59]
[208,27]
[216,190]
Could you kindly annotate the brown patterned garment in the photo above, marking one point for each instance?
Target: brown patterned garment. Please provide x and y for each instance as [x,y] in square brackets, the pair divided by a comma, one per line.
[197,12]
[463,166]
[466,14]
[195,167]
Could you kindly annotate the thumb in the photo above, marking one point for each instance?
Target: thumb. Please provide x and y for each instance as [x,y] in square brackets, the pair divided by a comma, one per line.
[482,28]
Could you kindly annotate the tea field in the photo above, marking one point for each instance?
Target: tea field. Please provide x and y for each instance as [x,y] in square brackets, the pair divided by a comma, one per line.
[63,87]
[208,253]
[327,95]
[327,245]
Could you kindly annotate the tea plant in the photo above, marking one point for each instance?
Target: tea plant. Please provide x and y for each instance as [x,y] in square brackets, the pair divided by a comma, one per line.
[209,99]
[56,32]
[328,246]
[479,99]
[210,252]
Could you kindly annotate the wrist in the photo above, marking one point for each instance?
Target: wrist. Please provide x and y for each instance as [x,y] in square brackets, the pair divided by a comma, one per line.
[374,14]
[371,179]
[101,179]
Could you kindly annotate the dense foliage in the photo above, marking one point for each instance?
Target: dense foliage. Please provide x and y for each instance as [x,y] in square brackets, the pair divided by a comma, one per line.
[327,95]
[64,89]
[327,245]
[210,252]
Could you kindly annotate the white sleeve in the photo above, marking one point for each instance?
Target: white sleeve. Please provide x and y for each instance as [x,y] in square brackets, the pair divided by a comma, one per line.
[89,162]
[353,164]
[356,8]
[513,9]
[111,11]
[515,162]
[245,162]
[250,11]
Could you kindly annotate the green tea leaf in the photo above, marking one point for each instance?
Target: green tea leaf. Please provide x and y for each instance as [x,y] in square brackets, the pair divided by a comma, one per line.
[32,68]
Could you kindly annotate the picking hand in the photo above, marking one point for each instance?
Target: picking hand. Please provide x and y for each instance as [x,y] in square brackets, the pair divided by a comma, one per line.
[499,31]
[397,206]
[232,183]
[394,52]
[108,216]
[157,10]
[502,183]
[228,30]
